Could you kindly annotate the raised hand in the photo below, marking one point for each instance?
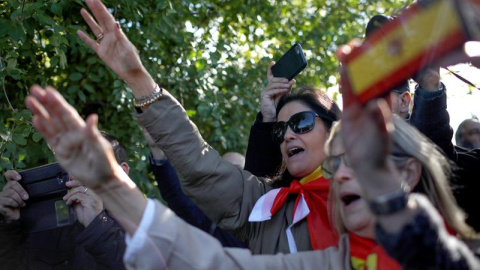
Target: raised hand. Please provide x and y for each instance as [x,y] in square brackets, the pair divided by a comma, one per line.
[78,145]
[111,44]
[429,79]
[274,90]
[157,152]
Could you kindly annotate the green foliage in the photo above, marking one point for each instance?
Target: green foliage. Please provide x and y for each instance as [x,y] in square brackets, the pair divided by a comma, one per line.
[212,55]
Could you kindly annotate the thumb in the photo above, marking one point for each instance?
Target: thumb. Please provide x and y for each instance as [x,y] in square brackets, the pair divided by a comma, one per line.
[269,70]
[92,126]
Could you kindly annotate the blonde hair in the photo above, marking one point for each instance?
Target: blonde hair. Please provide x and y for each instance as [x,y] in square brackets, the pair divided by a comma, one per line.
[409,142]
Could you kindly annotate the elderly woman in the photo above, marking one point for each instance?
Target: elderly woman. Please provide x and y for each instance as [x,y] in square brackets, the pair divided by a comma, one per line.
[410,229]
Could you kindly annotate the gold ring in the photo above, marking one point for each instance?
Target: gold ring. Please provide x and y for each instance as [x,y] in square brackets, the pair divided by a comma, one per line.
[99,37]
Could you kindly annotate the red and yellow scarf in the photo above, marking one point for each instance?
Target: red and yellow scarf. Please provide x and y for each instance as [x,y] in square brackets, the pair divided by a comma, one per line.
[366,254]
[311,202]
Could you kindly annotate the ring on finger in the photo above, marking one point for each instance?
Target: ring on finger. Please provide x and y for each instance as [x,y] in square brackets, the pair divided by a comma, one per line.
[100,37]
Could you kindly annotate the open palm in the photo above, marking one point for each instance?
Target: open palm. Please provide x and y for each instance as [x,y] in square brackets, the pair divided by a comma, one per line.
[113,46]
[78,145]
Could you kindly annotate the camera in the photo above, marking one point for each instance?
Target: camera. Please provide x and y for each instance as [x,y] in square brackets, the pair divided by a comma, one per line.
[45,209]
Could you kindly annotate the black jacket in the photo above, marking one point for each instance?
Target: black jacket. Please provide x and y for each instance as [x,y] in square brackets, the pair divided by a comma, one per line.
[99,246]
[430,116]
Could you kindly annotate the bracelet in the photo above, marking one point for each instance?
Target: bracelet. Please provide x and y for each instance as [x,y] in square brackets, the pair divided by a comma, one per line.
[390,203]
[146,100]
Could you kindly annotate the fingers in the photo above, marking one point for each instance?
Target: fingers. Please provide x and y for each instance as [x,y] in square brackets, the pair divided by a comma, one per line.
[12,184]
[269,71]
[61,111]
[384,114]
[73,184]
[89,41]
[79,192]
[92,127]
[148,137]
[96,29]
[104,18]
[273,93]
[12,175]
[13,195]
[345,50]
[52,113]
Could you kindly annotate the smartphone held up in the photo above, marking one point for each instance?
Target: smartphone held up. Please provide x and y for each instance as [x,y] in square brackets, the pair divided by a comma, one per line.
[290,64]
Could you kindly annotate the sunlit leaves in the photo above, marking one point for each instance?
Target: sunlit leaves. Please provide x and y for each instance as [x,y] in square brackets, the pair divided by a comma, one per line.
[212,55]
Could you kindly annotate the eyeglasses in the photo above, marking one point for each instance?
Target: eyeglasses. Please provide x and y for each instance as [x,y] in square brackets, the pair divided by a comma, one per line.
[299,123]
[331,164]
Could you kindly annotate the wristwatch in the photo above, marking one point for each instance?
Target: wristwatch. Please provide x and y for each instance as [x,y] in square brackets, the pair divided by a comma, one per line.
[390,203]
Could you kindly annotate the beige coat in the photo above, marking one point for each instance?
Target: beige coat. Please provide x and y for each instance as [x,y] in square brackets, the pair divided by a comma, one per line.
[173,244]
[225,193]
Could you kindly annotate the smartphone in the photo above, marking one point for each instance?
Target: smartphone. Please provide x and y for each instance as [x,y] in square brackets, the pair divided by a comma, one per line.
[290,64]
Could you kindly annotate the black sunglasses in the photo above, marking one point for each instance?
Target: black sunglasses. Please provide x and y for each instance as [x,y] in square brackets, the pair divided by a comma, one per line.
[300,123]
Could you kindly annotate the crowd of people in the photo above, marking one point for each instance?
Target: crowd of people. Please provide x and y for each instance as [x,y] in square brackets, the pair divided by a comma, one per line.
[364,189]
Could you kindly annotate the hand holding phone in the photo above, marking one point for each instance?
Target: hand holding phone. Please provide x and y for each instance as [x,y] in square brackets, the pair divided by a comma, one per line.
[291,63]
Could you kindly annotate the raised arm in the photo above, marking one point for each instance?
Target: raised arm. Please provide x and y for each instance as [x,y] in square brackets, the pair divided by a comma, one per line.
[214,184]
[84,153]
[263,156]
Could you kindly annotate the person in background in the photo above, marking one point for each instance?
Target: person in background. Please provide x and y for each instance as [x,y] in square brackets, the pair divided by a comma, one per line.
[468,134]
[94,241]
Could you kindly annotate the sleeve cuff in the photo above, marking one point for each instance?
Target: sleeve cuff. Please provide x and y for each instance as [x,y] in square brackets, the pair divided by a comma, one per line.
[157,162]
[428,94]
[135,243]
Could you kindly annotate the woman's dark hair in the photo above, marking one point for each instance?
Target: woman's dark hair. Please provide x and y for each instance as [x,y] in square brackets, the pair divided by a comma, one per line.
[321,104]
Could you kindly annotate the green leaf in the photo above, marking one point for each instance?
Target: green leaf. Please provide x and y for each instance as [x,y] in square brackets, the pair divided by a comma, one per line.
[63,59]
[88,87]
[16,33]
[19,139]
[36,137]
[76,76]
[41,18]
[12,147]
[4,27]
[82,96]
[56,9]
[191,113]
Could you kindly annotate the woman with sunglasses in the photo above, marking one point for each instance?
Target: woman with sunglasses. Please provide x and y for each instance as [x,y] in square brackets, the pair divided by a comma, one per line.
[410,229]
[225,193]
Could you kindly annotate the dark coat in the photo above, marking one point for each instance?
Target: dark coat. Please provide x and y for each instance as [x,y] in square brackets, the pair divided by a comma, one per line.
[99,246]
[430,116]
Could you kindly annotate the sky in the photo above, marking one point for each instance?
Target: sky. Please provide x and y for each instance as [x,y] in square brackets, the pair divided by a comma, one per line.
[460,104]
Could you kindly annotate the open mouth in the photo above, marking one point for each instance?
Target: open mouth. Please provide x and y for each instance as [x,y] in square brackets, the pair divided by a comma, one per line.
[293,151]
[348,199]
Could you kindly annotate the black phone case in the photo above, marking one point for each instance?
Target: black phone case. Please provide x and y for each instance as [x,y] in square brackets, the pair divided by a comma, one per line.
[45,208]
[290,64]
